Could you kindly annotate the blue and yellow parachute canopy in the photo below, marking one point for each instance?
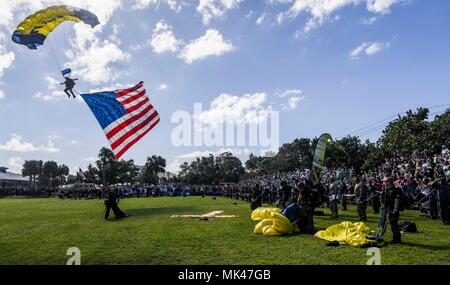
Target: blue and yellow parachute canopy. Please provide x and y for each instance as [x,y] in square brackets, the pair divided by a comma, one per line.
[33,31]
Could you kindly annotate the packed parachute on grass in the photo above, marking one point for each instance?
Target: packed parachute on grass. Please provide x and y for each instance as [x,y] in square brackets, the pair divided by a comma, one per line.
[272,222]
[354,234]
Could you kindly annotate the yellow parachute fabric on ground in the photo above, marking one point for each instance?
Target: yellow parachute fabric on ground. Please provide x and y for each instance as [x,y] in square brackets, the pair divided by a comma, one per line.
[262,213]
[354,234]
[272,223]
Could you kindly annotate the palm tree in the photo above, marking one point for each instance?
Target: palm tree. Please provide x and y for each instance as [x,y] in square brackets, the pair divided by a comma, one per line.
[153,166]
[63,171]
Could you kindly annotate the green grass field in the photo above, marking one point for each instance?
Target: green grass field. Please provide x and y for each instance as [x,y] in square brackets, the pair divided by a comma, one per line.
[39,231]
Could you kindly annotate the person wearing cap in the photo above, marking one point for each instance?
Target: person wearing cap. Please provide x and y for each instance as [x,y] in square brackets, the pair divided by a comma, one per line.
[390,203]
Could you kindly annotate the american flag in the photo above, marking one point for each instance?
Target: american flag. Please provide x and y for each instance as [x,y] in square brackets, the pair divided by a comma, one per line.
[125,116]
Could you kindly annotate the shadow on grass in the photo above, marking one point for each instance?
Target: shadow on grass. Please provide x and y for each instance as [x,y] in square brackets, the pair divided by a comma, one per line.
[427,246]
[164,211]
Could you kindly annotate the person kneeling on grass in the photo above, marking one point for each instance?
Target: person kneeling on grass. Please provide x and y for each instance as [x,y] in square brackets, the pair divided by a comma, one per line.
[112,203]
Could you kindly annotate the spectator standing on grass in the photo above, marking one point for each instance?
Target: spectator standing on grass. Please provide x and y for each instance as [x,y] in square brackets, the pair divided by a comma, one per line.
[390,202]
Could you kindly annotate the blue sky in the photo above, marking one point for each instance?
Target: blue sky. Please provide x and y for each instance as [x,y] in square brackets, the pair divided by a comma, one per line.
[325,65]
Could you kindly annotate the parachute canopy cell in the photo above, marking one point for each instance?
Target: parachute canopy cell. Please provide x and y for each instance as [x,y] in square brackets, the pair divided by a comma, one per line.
[66,71]
[33,31]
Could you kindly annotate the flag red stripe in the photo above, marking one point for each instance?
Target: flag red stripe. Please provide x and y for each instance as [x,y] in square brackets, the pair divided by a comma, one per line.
[131,132]
[126,91]
[120,153]
[137,106]
[131,120]
[132,98]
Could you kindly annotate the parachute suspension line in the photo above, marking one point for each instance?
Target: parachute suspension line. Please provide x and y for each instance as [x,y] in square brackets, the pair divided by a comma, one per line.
[50,62]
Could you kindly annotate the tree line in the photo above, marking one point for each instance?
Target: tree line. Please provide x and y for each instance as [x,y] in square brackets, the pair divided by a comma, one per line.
[407,136]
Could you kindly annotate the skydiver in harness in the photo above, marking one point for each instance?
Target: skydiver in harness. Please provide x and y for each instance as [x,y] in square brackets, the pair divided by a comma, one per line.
[70,83]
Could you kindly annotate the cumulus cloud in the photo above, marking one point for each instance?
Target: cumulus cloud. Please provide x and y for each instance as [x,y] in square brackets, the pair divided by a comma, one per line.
[368,49]
[53,94]
[261,19]
[211,44]
[210,9]
[175,5]
[174,166]
[289,92]
[381,6]
[163,87]
[91,56]
[249,108]
[17,144]
[15,164]
[320,11]
[6,60]
[12,10]
[94,58]
[293,102]
[163,39]
[195,154]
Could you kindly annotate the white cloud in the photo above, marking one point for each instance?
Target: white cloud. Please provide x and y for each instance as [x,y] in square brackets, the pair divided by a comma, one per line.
[54,94]
[249,108]
[90,55]
[13,10]
[293,101]
[381,6]
[321,10]
[15,164]
[93,57]
[369,21]
[163,87]
[261,19]
[6,60]
[90,159]
[175,5]
[195,154]
[174,166]
[211,44]
[368,49]
[163,40]
[289,92]
[210,9]
[17,144]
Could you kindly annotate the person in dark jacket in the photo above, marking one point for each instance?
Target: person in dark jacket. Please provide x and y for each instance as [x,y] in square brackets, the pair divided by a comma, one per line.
[390,203]
[111,202]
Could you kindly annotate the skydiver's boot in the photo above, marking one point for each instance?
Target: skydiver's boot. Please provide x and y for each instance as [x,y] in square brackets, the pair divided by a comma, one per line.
[67,92]
[71,91]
